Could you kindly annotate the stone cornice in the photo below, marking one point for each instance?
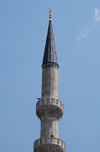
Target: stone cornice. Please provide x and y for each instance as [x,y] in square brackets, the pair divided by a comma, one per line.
[49,107]
[50,144]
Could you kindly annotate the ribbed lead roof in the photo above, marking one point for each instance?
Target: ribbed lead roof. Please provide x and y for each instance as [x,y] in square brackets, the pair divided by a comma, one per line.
[50,49]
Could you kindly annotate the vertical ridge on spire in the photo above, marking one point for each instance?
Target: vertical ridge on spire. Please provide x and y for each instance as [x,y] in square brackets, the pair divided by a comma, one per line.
[50,49]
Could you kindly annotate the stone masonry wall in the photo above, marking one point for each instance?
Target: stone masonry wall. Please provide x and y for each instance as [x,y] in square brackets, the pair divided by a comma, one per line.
[49,127]
[50,83]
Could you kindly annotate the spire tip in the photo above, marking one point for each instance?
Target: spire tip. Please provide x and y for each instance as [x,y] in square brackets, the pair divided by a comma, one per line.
[50,15]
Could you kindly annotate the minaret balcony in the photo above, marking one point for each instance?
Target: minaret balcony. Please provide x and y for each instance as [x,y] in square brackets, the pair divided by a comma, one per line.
[49,144]
[49,107]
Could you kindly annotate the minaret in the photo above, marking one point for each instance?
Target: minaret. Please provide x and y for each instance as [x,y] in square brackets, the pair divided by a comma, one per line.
[49,108]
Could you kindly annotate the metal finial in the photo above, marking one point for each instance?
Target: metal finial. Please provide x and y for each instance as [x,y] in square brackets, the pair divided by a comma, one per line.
[50,15]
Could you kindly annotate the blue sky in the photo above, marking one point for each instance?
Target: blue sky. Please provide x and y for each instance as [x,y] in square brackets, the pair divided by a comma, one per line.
[76,26]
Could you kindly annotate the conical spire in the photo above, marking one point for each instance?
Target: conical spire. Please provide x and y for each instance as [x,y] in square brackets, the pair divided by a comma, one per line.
[50,49]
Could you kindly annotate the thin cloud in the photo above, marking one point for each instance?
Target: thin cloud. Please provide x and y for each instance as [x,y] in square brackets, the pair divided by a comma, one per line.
[73,111]
[97,14]
[63,63]
[78,38]
[82,35]
[82,124]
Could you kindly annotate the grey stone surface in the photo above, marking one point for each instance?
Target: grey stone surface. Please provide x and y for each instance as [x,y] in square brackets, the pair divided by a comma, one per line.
[50,83]
[49,111]
[49,144]
[49,127]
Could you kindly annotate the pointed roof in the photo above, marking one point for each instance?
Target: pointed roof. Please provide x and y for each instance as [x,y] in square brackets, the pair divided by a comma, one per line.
[50,49]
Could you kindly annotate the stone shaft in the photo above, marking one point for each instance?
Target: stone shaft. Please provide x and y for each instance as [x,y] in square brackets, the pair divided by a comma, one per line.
[49,127]
[49,81]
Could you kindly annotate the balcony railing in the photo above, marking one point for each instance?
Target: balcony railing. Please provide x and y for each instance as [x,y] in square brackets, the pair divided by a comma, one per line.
[49,101]
[49,140]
